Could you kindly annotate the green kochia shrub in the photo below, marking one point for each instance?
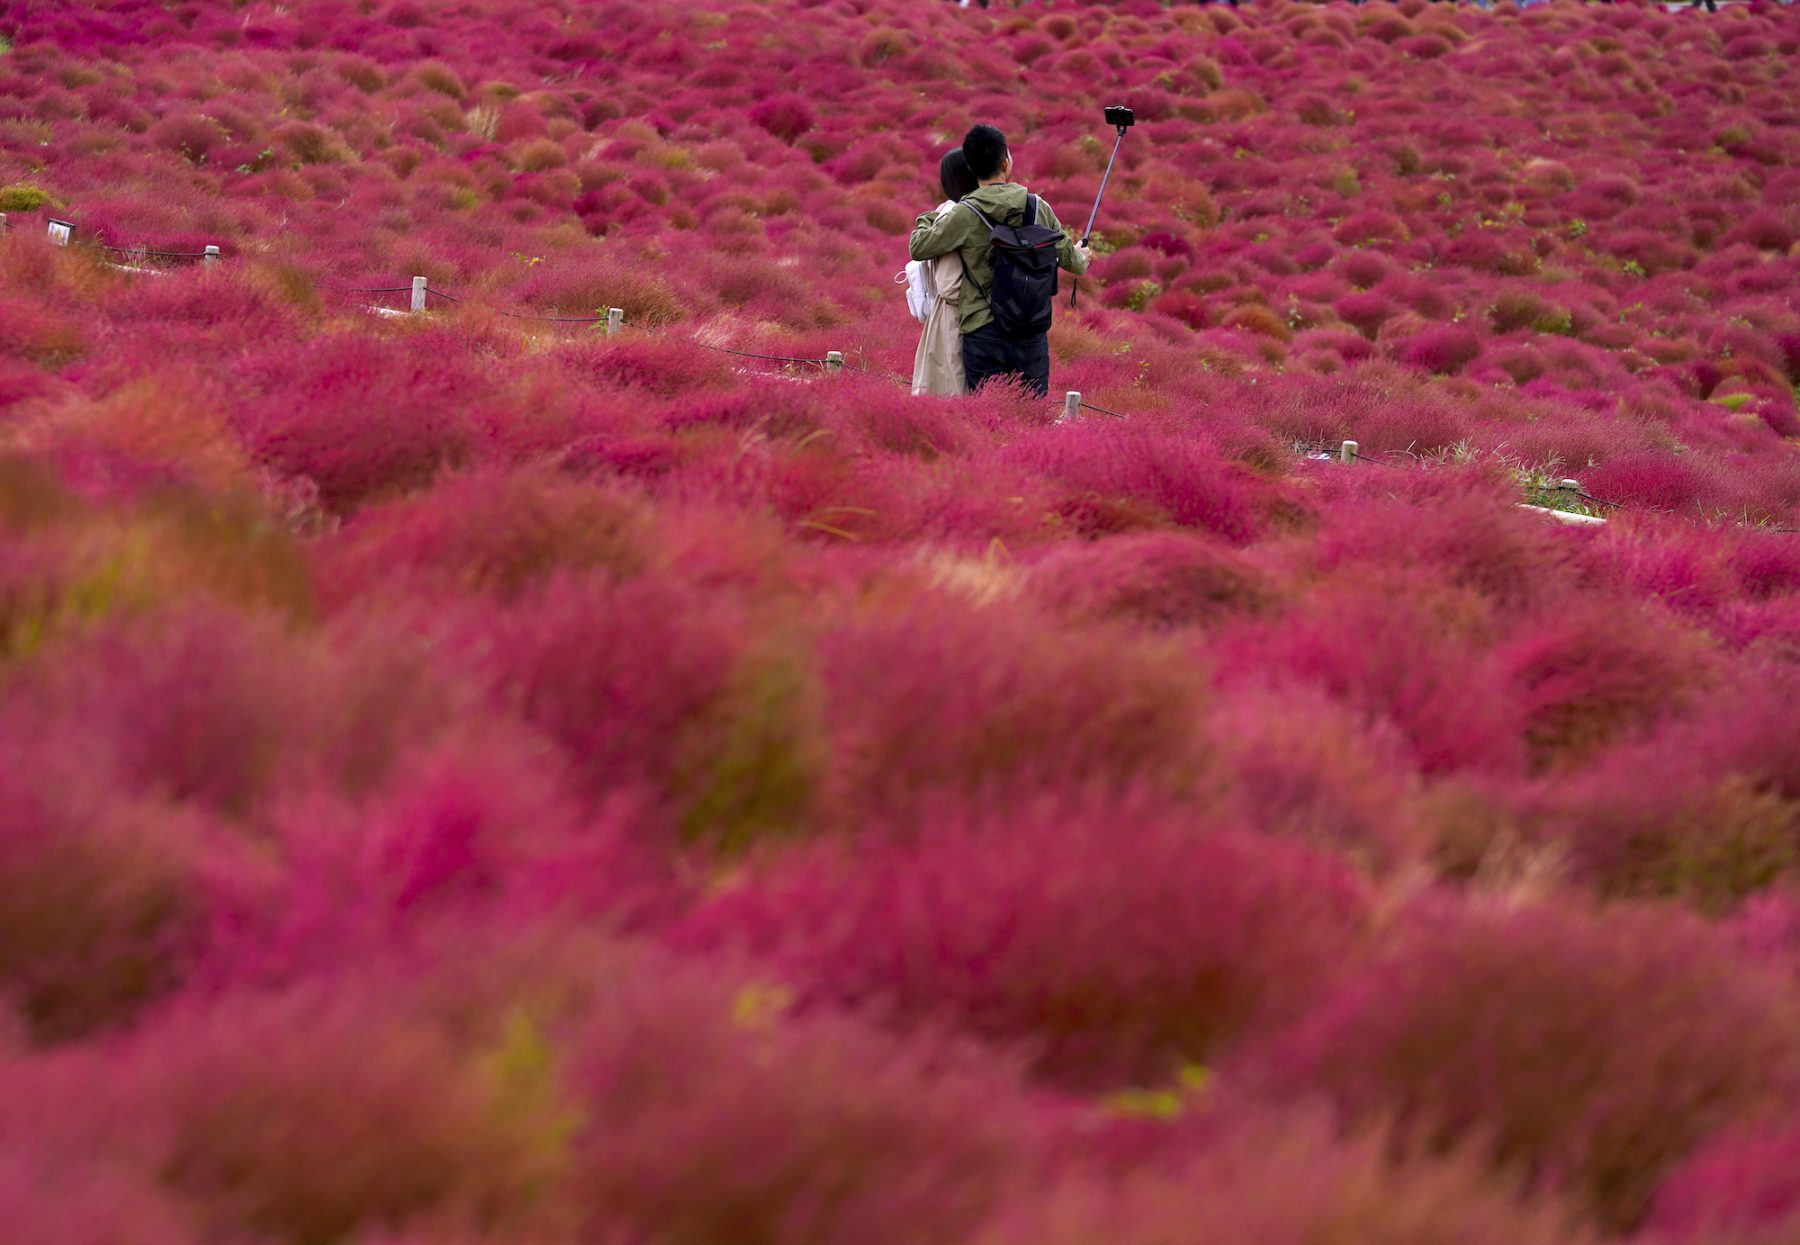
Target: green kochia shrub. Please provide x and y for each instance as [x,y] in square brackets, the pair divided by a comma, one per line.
[22,198]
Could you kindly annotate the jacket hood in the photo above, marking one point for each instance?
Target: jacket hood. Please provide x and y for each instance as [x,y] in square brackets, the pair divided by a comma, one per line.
[1004,201]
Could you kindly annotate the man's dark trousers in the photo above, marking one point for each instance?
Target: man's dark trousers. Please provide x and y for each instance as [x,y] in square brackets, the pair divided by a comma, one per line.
[987,354]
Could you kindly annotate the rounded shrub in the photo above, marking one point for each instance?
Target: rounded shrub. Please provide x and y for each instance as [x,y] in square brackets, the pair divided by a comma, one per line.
[1446,349]
[1241,1184]
[1111,947]
[708,1112]
[1661,1038]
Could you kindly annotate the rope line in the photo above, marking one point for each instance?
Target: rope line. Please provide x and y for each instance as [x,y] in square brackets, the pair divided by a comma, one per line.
[886,375]
[517,315]
[1300,447]
[520,315]
[1599,501]
[140,250]
[772,358]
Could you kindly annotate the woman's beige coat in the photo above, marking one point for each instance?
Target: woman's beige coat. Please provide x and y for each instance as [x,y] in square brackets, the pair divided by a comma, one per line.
[938,363]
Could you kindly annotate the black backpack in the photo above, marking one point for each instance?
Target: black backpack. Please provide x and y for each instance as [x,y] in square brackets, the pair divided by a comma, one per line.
[1024,260]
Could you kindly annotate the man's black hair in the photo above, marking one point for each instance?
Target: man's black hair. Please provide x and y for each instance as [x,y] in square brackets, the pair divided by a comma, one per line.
[984,147]
[954,175]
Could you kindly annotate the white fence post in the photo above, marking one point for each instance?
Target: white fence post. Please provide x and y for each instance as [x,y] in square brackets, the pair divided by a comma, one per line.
[1347,454]
[1072,404]
[615,320]
[418,294]
[211,257]
[2,222]
[834,362]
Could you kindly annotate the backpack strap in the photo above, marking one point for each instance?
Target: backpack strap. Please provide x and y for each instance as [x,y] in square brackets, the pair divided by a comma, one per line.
[967,275]
[984,216]
[1030,211]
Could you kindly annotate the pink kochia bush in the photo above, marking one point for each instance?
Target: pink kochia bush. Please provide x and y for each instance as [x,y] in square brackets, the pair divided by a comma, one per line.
[1243,1187]
[475,778]
[925,702]
[555,1081]
[94,1205]
[1111,948]
[358,418]
[101,902]
[1161,579]
[1588,1053]
[709,1113]
[1744,1185]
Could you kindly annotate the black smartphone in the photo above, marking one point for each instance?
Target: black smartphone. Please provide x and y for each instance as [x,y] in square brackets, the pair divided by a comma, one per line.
[1120,117]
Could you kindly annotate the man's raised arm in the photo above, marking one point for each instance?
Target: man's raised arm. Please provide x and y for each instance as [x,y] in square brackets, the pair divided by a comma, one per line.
[936,235]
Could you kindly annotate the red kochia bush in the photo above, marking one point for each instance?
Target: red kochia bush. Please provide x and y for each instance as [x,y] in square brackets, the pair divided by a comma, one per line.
[1111,945]
[1478,539]
[1723,818]
[1447,349]
[191,135]
[630,678]
[1306,768]
[360,417]
[303,1116]
[1120,478]
[1244,1188]
[1366,228]
[1741,1183]
[1658,480]
[87,1204]
[1160,578]
[662,368]
[100,898]
[490,532]
[191,706]
[706,1114]
[1366,311]
[787,117]
[937,700]
[478,828]
[1591,1049]
[42,335]
[219,712]
[1417,670]
[1596,673]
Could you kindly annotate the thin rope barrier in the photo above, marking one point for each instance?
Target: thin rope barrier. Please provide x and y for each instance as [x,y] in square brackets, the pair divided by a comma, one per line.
[139,250]
[515,315]
[772,358]
[1307,449]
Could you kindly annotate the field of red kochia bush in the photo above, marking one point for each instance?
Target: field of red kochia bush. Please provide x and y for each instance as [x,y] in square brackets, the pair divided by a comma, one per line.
[475,781]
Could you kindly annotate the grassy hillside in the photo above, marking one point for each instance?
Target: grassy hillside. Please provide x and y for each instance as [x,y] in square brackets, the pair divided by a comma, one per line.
[467,778]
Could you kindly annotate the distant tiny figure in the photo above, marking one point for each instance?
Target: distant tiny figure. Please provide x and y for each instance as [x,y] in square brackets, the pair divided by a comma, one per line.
[1015,342]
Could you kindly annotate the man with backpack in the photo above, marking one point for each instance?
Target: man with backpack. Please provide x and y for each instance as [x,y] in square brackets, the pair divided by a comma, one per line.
[1011,245]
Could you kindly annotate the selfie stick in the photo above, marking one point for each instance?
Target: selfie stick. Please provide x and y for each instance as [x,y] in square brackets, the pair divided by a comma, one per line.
[1088,233]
